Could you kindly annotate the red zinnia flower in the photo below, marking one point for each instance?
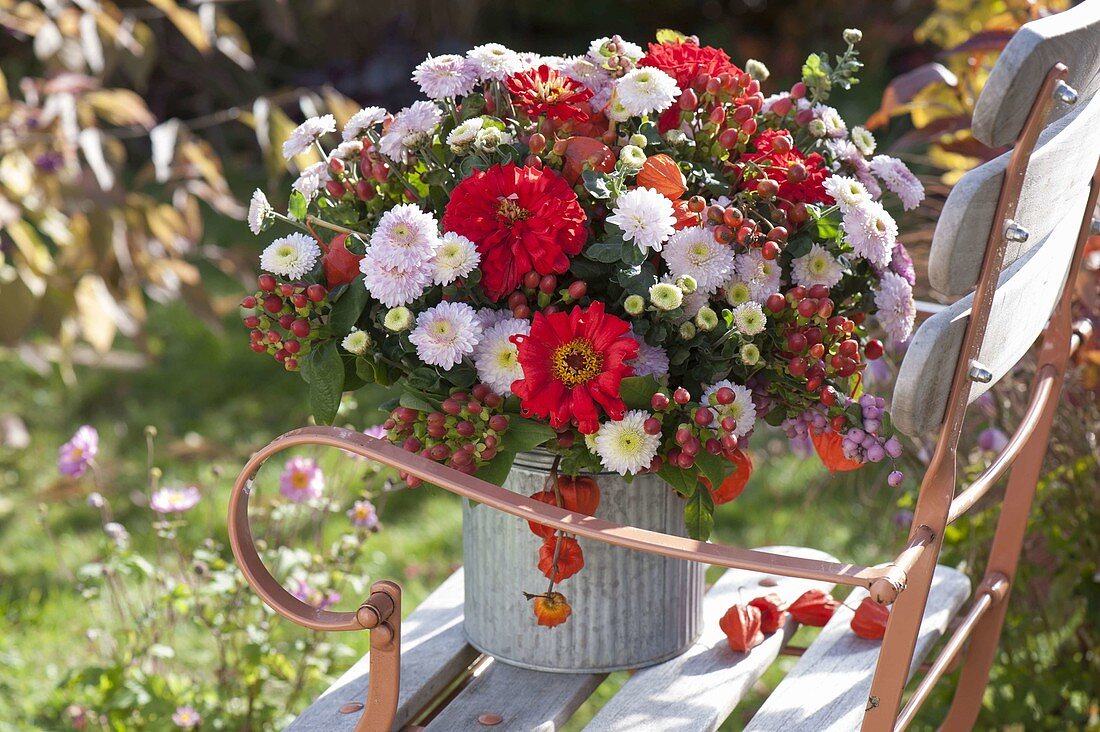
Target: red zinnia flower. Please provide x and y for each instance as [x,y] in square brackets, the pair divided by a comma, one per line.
[572,364]
[776,164]
[545,91]
[521,219]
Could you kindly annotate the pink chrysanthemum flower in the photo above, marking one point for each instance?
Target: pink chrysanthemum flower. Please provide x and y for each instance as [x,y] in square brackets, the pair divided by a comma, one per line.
[77,454]
[302,480]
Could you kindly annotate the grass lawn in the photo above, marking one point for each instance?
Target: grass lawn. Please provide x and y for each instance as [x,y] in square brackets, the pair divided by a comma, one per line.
[213,402]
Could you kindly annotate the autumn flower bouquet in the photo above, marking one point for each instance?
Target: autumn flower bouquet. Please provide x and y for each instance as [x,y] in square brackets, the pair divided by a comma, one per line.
[627,257]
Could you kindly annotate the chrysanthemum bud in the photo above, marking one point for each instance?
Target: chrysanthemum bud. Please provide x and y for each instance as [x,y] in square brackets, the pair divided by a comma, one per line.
[706,319]
[816,128]
[638,140]
[687,283]
[398,319]
[357,342]
[489,139]
[632,157]
[675,137]
[666,296]
[852,36]
[687,331]
[634,305]
[757,69]
[750,354]
[737,293]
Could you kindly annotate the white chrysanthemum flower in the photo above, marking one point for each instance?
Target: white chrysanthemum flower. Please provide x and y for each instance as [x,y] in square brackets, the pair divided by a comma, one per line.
[848,192]
[651,360]
[694,252]
[312,180]
[308,133]
[741,408]
[598,53]
[445,333]
[899,179]
[646,217]
[456,257]
[291,256]
[816,267]
[863,140]
[362,121]
[496,357]
[895,307]
[594,77]
[834,123]
[348,151]
[449,75]
[412,126]
[494,61]
[260,212]
[624,446]
[462,137]
[749,318]
[761,275]
[590,441]
[393,286]
[405,236]
[645,91]
[666,296]
[357,341]
[872,232]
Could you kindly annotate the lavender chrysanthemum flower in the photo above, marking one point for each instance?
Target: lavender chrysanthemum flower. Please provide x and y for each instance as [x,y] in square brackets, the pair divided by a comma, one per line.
[449,75]
[302,480]
[308,133]
[871,231]
[446,333]
[363,515]
[77,454]
[651,360]
[895,307]
[362,121]
[899,179]
[902,264]
[174,499]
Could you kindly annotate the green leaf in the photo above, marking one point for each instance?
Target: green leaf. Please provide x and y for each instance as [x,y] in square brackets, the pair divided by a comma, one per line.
[472,105]
[423,379]
[324,370]
[699,515]
[636,391]
[496,470]
[652,134]
[596,184]
[347,309]
[684,482]
[799,245]
[364,369]
[607,251]
[525,434]
[297,206]
[714,467]
[412,401]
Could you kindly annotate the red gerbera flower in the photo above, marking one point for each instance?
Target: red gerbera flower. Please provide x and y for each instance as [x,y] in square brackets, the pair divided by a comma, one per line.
[572,364]
[521,219]
[774,161]
[540,91]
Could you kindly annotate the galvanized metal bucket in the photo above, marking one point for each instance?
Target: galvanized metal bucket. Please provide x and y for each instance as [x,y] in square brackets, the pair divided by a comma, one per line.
[630,609]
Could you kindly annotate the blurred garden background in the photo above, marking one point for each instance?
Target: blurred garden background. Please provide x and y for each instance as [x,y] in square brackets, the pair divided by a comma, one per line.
[131,135]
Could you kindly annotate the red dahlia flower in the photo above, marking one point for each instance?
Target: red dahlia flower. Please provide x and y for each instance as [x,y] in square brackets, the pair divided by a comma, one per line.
[521,219]
[540,91]
[685,61]
[776,164]
[572,364]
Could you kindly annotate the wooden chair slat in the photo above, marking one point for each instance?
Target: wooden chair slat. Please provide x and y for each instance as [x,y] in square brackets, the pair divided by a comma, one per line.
[698,690]
[1055,189]
[827,689]
[1071,37]
[1022,305]
[433,653]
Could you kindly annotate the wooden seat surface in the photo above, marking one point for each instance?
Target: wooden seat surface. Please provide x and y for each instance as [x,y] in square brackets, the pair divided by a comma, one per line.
[695,691]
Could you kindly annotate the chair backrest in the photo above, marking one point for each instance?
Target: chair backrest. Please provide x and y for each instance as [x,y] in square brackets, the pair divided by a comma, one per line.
[1051,207]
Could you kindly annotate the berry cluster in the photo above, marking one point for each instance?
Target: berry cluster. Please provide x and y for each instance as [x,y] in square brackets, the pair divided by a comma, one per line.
[539,290]
[284,318]
[703,431]
[731,225]
[464,433]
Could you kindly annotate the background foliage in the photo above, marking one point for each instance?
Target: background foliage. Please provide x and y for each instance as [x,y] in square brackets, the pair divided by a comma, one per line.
[130,132]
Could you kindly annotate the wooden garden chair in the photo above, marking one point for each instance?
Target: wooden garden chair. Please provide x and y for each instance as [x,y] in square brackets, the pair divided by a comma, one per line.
[1010,236]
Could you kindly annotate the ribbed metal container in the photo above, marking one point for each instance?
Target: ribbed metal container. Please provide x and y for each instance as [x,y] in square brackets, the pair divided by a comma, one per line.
[630,609]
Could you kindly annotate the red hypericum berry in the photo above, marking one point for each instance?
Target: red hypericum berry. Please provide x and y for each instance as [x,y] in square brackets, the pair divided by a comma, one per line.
[798,90]
[814,383]
[813,335]
[273,336]
[273,303]
[729,442]
[286,289]
[870,620]
[748,128]
[548,284]
[798,292]
[286,320]
[498,423]
[688,100]
[703,416]
[741,624]
[451,406]
[839,422]
[713,446]
[742,114]
[266,282]
[813,607]
[336,165]
[516,299]
[828,396]
[825,307]
[723,234]
[578,289]
[281,355]
[257,347]
[299,300]
[770,250]
[292,346]
[817,350]
[364,191]
[652,426]
[848,348]
[729,423]
[290,364]
[847,369]
[681,396]
[776,302]
[249,301]
[818,291]
[566,439]
[771,610]
[796,342]
[683,436]
[873,350]
[807,308]
[767,188]
[537,143]
[727,138]
[531,280]
[250,321]
[493,401]
[316,293]
[659,401]
[256,336]
[300,328]
[717,116]
[480,391]
[798,214]
[696,204]
[797,366]
[523,312]
[685,461]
